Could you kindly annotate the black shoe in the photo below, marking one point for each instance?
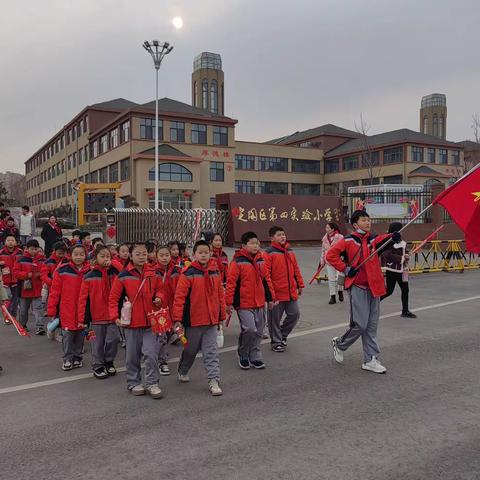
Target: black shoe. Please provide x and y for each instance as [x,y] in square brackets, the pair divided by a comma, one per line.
[39,331]
[332,300]
[284,342]
[77,364]
[244,363]
[278,348]
[100,373]
[258,364]
[67,365]
[408,314]
[340,296]
[111,370]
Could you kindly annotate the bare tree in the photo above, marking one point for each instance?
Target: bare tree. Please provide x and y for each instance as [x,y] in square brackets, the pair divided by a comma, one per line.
[472,156]
[367,157]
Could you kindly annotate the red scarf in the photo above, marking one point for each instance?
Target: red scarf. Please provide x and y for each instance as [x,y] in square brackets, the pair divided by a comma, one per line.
[207,277]
[56,227]
[217,254]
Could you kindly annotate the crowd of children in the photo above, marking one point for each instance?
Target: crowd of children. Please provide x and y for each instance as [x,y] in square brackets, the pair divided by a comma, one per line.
[142,295]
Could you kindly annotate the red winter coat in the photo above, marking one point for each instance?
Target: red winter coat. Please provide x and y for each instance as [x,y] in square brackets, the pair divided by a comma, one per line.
[95,294]
[126,285]
[169,278]
[49,267]
[356,248]
[222,263]
[247,283]
[119,264]
[283,270]
[64,293]
[25,265]
[8,260]
[200,297]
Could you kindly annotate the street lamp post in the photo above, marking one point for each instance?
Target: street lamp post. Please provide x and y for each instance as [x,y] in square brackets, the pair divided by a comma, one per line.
[157,51]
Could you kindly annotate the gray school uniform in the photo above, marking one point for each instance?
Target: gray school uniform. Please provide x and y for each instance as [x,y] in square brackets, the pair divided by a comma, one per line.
[105,345]
[252,322]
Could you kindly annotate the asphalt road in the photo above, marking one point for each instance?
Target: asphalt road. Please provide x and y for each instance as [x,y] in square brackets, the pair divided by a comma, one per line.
[304,417]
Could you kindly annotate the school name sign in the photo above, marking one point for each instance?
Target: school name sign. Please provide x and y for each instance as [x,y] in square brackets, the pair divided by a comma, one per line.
[303,217]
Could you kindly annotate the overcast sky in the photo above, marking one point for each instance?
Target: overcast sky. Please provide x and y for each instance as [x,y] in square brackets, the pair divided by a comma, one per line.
[289,65]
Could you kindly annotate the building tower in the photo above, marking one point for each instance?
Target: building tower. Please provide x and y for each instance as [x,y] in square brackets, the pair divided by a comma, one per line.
[433,115]
[207,83]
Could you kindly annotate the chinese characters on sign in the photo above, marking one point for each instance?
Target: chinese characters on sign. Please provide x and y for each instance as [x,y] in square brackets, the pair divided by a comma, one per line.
[216,153]
[272,213]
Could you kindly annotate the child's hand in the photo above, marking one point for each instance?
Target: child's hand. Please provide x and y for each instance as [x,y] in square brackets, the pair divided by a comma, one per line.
[30,275]
[178,329]
[299,291]
[157,302]
[117,322]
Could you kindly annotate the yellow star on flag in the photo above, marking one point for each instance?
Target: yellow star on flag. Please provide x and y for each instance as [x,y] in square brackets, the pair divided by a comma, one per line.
[477,196]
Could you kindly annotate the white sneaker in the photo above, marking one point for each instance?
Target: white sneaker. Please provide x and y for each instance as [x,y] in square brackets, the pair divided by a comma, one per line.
[164,369]
[183,378]
[138,390]
[214,388]
[374,366]
[337,353]
[154,391]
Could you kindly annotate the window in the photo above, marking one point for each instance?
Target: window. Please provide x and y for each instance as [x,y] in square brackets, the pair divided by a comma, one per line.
[94,177]
[443,156]
[124,169]
[69,162]
[350,163]
[74,160]
[81,156]
[205,94]
[440,126]
[114,138]
[371,181]
[244,162]
[217,173]
[114,172]
[435,125]
[94,149]
[305,166]
[397,179]
[305,189]
[213,203]
[455,157]
[370,159]
[64,190]
[347,185]
[331,166]
[199,134]
[244,186]
[417,154]
[177,132]
[195,93]
[430,155]
[273,164]
[393,155]
[125,132]
[104,175]
[275,188]
[220,136]
[147,128]
[171,172]
[214,96]
[86,153]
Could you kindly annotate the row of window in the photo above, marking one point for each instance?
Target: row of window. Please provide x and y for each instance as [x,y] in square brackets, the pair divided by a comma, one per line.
[209,102]
[58,144]
[391,156]
[172,172]
[276,188]
[275,164]
[110,140]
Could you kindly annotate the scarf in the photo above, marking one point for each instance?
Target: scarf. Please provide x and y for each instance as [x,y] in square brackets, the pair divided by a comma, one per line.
[56,227]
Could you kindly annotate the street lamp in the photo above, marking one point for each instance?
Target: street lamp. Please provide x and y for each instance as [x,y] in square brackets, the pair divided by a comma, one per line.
[157,51]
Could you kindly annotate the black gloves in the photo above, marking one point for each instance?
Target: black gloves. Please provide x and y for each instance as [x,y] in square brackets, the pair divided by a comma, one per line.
[396,237]
[352,272]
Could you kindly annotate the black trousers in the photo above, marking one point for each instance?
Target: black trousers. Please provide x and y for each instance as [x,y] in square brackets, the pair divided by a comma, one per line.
[392,279]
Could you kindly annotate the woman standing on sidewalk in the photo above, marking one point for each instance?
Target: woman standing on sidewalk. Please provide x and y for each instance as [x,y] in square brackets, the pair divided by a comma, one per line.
[331,237]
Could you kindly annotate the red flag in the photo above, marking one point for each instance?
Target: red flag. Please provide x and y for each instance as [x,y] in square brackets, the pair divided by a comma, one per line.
[462,201]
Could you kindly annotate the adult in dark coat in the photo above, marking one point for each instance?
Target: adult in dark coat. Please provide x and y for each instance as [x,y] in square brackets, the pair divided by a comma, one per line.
[51,234]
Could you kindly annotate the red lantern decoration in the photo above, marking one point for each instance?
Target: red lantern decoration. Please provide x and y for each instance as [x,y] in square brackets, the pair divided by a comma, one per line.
[187,194]
[151,193]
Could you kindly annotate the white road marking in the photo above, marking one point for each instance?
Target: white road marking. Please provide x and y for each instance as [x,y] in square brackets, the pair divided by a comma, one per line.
[74,378]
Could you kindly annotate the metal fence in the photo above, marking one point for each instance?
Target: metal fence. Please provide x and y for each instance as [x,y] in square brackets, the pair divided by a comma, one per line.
[185,226]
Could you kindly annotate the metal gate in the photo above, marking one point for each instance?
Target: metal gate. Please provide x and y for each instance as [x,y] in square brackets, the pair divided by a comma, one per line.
[185,226]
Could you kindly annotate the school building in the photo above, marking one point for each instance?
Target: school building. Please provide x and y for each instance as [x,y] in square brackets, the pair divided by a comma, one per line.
[200,157]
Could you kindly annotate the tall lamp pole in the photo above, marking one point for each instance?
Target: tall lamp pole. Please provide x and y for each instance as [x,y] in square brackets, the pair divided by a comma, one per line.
[157,51]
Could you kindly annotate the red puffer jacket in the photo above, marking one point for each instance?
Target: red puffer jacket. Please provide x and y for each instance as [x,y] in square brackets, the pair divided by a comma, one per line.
[247,284]
[222,263]
[355,248]
[63,296]
[49,267]
[200,297]
[169,278]
[95,294]
[25,265]
[8,261]
[119,264]
[126,285]
[282,268]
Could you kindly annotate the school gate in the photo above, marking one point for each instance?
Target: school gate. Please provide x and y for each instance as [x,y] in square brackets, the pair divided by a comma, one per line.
[185,226]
